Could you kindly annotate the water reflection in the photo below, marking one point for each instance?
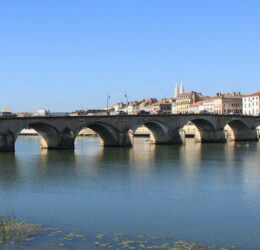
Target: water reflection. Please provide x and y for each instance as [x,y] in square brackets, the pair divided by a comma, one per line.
[182,190]
[9,171]
[142,157]
[54,163]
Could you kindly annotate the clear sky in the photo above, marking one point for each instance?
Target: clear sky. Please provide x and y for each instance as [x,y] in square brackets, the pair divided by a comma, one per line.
[68,54]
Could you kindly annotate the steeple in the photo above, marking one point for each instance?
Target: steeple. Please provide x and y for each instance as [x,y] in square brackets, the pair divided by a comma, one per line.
[176,92]
[182,88]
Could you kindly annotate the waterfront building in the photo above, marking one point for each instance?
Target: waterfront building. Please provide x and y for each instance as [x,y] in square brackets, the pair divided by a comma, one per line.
[119,106]
[251,104]
[23,114]
[194,102]
[228,103]
[133,108]
[221,104]
[196,108]
[208,105]
[163,106]
[79,112]
[6,112]
[90,112]
[145,105]
[42,112]
[182,101]
[59,114]
[29,132]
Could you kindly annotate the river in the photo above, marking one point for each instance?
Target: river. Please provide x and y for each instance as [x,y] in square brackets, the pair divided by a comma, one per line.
[203,193]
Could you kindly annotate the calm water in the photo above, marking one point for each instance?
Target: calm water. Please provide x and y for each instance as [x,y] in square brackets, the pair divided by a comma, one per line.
[209,194]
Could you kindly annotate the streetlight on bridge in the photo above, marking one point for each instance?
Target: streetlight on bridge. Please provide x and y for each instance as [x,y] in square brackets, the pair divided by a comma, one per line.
[108,97]
[126,100]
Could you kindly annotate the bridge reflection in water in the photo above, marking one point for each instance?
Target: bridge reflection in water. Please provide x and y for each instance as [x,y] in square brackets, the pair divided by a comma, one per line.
[143,157]
[190,191]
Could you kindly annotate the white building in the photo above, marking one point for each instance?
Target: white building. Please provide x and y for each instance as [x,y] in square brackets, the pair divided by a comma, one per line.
[251,104]
[196,108]
[133,108]
[119,106]
[42,112]
[209,105]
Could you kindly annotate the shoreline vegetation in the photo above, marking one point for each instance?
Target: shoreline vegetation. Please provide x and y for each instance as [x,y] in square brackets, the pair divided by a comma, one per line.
[20,233]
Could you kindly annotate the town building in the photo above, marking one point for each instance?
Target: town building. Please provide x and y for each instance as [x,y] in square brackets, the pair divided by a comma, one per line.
[42,112]
[162,107]
[79,112]
[119,106]
[59,114]
[251,104]
[145,105]
[225,104]
[6,112]
[133,108]
[182,100]
[90,112]
[222,104]
[196,108]
[23,114]
[208,105]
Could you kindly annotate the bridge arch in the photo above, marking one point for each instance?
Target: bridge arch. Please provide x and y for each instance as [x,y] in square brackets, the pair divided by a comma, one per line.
[109,135]
[205,130]
[257,127]
[50,136]
[159,132]
[238,130]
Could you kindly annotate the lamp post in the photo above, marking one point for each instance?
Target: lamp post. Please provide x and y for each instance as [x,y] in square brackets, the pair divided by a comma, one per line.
[108,97]
[126,100]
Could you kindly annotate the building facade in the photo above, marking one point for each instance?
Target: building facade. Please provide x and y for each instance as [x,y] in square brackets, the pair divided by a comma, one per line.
[251,104]
[42,112]
[145,105]
[196,108]
[225,104]
[133,108]
[183,102]
[162,107]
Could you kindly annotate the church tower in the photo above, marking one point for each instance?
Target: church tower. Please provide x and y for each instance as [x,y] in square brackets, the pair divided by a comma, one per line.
[182,88]
[176,92]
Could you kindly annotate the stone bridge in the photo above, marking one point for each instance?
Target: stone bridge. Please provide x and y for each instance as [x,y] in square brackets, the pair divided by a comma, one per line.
[61,132]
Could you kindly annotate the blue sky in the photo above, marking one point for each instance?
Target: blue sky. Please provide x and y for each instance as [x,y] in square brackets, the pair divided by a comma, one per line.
[65,55]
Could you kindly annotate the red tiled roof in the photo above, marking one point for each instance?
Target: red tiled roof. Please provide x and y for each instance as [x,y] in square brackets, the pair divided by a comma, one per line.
[197,103]
[255,94]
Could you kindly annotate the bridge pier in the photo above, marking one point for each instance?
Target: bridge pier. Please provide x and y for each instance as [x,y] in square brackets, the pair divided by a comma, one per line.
[242,135]
[177,136]
[160,138]
[174,136]
[122,139]
[205,136]
[7,142]
[59,143]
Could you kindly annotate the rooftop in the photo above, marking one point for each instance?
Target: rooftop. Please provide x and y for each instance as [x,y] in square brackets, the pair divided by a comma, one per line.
[197,103]
[255,94]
